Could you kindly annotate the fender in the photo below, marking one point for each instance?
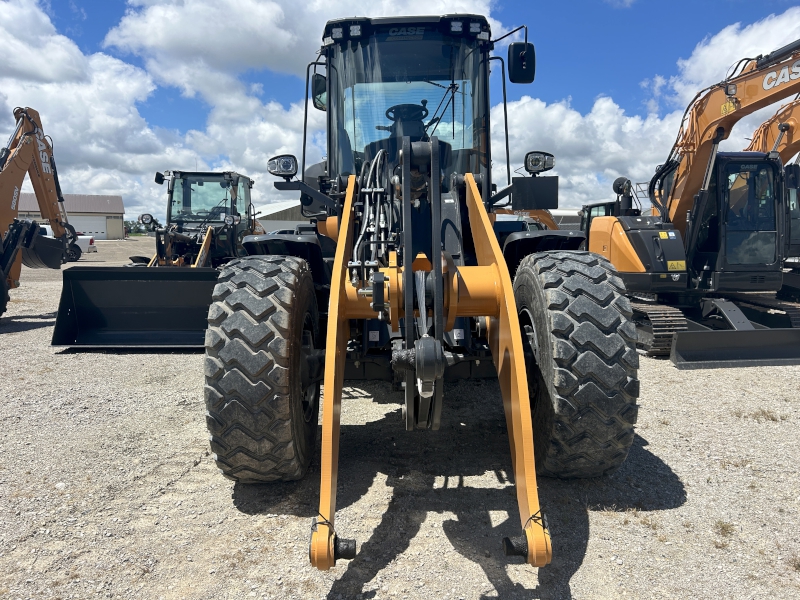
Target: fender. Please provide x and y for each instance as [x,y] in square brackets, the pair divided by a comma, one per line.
[522,243]
[307,247]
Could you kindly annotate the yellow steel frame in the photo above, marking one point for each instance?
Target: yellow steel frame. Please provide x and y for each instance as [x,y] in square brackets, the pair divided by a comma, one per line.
[483,290]
[204,248]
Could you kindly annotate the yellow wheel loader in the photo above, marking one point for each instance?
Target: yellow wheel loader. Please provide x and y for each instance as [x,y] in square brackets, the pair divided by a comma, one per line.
[24,242]
[702,271]
[162,301]
[402,277]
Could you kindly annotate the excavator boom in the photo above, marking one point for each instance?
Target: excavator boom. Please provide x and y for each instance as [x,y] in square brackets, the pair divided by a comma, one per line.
[29,151]
[709,119]
[780,133]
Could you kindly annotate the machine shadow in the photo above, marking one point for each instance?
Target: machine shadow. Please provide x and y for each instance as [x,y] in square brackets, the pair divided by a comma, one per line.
[22,323]
[427,472]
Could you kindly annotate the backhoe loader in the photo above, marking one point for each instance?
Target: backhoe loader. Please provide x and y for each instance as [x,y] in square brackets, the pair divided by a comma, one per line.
[30,151]
[781,134]
[402,278]
[720,231]
[162,300]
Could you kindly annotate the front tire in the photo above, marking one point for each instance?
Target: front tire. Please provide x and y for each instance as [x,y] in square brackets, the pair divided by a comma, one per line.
[73,253]
[261,398]
[582,362]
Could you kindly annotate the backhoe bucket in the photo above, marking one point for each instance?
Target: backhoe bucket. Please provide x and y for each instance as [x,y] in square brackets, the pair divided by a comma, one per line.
[722,349]
[125,307]
[44,253]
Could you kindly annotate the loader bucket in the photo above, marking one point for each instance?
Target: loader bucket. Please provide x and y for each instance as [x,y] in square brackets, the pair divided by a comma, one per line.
[722,349]
[44,253]
[127,307]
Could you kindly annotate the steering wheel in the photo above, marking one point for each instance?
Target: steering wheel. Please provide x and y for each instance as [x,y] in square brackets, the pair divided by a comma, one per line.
[407,112]
[202,211]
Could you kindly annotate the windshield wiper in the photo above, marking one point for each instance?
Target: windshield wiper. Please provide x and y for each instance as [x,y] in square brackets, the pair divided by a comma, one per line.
[225,199]
[450,94]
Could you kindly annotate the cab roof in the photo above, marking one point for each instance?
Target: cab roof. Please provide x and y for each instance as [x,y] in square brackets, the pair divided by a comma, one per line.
[438,22]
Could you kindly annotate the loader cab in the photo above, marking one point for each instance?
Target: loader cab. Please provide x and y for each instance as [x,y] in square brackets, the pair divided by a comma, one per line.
[419,77]
[200,199]
[738,229]
[197,200]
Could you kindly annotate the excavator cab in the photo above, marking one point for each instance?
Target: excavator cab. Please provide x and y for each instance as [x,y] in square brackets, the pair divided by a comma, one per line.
[792,178]
[736,241]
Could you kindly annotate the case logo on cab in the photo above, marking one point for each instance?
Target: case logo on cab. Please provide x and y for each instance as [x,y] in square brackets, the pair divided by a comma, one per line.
[406,31]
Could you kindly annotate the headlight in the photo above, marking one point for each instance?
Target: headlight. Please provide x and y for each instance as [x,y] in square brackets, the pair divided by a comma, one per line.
[538,162]
[145,219]
[232,219]
[284,166]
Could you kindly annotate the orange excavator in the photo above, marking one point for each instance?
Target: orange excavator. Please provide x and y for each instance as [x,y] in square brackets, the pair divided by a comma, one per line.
[780,134]
[23,241]
[718,233]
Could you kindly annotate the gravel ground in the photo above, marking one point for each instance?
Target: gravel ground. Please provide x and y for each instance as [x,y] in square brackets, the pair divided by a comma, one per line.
[107,488]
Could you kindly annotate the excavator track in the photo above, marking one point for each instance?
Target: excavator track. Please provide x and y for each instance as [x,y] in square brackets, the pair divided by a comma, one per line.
[656,324]
[771,302]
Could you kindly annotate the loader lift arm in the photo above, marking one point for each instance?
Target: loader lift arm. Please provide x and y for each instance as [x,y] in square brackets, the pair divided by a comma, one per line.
[30,151]
[757,83]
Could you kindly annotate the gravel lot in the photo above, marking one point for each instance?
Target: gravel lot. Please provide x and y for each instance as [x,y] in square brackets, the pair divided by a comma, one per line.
[107,488]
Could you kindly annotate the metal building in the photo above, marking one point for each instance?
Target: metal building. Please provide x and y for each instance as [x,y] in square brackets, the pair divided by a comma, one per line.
[99,216]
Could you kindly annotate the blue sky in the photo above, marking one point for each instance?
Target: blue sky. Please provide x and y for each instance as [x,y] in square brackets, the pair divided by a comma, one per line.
[585,49]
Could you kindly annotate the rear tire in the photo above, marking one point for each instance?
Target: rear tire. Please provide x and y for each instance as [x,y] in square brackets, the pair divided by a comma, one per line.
[582,364]
[261,409]
[73,253]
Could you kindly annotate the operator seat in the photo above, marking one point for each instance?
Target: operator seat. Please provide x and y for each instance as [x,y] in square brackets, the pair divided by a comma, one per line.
[416,131]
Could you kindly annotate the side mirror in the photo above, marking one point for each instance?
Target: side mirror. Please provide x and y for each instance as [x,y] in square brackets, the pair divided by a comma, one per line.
[539,162]
[284,165]
[319,91]
[160,178]
[521,62]
[792,176]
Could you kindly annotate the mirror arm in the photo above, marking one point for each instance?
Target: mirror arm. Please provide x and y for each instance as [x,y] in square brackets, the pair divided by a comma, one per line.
[306,189]
[506,191]
[305,113]
[505,108]
[512,32]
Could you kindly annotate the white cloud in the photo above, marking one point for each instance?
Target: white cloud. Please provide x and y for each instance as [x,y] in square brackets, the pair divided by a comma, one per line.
[196,45]
[31,48]
[591,150]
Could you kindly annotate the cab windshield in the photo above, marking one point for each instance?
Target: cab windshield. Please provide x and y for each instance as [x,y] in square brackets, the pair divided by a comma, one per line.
[751,231]
[387,86]
[207,198]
